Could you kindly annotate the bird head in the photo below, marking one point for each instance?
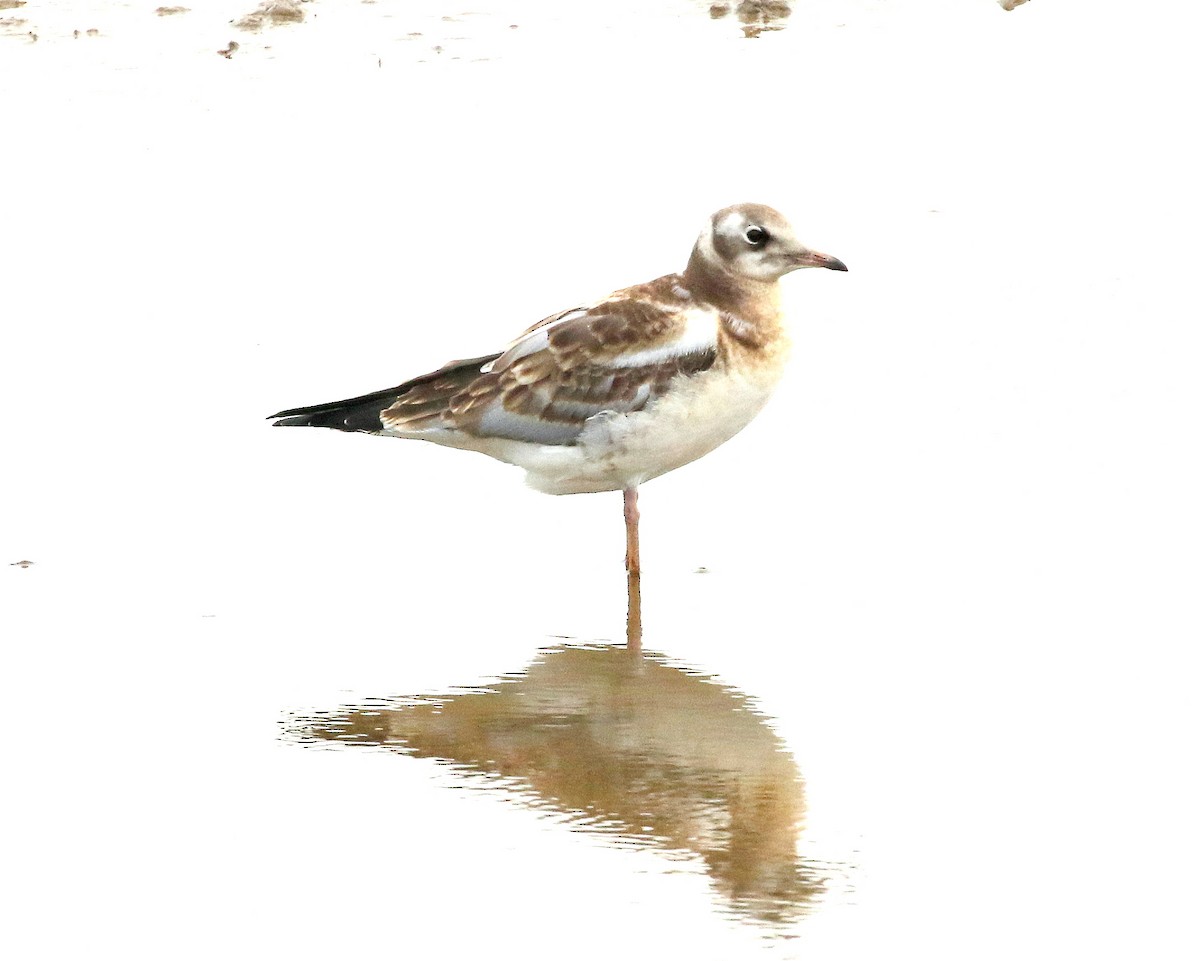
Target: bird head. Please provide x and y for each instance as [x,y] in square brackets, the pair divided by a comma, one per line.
[755,242]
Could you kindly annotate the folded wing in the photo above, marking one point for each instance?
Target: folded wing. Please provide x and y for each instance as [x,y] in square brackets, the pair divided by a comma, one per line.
[617,356]
[430,393]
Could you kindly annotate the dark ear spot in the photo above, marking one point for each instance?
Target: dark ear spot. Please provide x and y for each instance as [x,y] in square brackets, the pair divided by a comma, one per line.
[727,248]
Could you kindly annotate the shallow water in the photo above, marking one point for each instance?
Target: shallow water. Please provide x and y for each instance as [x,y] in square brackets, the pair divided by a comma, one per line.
[421,28]
[626,746]
[917,671]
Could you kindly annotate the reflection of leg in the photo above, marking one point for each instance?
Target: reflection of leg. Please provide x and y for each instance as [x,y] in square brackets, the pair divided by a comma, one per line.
[633,563]
[633,623]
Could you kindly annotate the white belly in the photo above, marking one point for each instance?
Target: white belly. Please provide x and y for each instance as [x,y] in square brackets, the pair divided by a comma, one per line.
[616,451]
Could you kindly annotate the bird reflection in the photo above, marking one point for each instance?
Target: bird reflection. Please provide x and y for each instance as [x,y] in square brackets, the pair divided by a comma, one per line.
[625,745]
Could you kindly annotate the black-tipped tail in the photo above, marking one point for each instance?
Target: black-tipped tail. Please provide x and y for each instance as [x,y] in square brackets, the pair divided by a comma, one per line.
[362,413]
[356,413]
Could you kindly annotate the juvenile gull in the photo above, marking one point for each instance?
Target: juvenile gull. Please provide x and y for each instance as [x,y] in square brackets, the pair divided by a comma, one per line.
[608,396]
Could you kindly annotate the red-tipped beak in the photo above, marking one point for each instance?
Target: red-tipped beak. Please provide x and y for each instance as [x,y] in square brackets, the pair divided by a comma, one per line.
[811,258]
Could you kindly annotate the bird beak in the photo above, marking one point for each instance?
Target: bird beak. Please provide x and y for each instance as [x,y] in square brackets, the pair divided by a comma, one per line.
[811,258]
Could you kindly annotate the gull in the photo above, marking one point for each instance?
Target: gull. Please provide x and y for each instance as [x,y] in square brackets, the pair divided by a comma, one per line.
[607,396]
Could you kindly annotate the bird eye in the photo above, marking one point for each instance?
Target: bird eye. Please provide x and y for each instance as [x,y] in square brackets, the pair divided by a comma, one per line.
[756,236]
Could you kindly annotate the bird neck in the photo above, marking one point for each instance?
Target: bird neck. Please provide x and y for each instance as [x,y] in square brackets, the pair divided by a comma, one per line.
[750,308]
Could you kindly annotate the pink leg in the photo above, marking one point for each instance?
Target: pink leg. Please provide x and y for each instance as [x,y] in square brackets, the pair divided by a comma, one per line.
[633,563]
[633,620]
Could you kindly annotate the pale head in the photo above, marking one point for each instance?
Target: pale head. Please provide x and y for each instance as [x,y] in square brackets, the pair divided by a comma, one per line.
[755,242]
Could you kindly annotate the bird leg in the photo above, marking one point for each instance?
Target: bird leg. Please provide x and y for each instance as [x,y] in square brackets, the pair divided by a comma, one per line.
[633,619]
[633,577]
[633,563]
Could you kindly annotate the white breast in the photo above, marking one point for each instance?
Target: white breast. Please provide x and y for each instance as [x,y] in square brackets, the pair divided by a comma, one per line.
[697,415]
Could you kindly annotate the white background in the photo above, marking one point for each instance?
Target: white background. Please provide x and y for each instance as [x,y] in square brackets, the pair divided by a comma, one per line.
[956,558]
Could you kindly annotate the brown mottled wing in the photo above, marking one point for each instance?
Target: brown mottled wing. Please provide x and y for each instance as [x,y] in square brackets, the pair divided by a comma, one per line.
[425,398]
[616,356]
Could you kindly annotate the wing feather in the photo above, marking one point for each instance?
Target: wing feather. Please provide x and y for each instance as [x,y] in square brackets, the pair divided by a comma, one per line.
[615,356]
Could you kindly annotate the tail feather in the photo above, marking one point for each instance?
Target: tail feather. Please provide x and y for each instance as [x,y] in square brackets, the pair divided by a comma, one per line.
[362,413]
